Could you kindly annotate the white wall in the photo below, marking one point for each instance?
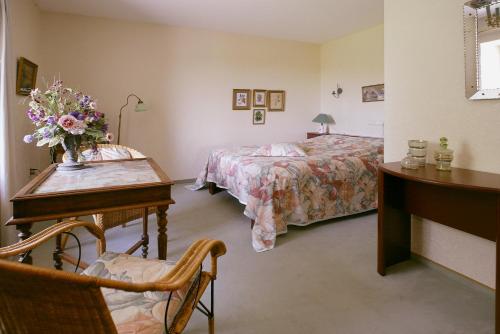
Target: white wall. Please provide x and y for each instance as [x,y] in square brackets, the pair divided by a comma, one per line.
[186,76]
[25,41]
[353,61]
[424,75]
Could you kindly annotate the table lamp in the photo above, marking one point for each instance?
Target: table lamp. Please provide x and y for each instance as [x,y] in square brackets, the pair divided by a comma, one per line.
[140,107]
[324,119]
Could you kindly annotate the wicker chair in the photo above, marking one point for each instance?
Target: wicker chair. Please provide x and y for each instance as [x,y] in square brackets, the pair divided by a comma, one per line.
[40,300]
[112,219]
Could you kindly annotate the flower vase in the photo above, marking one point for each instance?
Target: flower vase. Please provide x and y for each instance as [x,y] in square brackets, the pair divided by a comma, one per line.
[71,145]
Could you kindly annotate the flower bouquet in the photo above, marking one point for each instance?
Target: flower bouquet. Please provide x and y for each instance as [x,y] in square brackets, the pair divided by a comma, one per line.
[65,116]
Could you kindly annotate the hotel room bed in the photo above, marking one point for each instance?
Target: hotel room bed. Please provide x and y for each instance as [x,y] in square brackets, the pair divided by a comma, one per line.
[312,180]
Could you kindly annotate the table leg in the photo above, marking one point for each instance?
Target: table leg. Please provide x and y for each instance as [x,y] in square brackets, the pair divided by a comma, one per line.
[56,254]
[145,236]
[394,223]
[161,217]
[24,233]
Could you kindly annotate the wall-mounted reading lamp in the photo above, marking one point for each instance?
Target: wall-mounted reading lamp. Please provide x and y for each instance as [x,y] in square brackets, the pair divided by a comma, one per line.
[336,93]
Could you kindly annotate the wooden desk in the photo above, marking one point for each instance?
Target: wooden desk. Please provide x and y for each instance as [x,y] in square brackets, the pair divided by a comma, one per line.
[463,199]
[103,186]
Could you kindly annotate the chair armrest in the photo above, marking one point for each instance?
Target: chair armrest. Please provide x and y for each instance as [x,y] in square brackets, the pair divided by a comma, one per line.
[182,272]
[50,232]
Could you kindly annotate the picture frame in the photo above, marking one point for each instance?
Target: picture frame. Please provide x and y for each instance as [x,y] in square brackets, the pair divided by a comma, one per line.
[260,98]
[26,76]
[259,116]
[242,99]
[373,93]
[276,100]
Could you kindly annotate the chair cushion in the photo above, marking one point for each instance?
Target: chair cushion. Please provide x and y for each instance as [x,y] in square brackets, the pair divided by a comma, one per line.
[106,153]
[139,313]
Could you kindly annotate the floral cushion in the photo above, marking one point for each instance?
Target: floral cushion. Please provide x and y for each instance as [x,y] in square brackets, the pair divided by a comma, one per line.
[279,150]
[138,313]
[108,153]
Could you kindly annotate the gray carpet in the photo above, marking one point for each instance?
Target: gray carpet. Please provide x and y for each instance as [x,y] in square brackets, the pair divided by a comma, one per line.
[319,279]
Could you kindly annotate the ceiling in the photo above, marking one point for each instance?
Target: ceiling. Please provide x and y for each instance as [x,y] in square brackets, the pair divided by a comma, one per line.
[315,21]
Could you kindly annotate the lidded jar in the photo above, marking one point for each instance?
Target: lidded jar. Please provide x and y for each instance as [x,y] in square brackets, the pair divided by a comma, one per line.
[443,156]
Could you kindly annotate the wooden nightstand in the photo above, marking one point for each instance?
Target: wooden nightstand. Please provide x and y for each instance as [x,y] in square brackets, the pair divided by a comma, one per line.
[315,134]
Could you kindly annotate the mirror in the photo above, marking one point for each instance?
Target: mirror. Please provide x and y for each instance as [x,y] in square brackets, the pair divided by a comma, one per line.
[482,49]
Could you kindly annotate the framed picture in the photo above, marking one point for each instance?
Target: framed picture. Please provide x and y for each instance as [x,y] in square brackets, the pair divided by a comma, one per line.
[276,100]
[259,98]
[259,116]
[241,99]
[26,76]
[373,93]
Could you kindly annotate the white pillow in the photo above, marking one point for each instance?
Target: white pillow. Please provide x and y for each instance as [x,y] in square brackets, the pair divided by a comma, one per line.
[106,153]
[279,150]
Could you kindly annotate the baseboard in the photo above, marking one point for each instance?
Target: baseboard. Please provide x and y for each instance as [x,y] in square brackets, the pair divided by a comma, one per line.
[184,181]
[450,272]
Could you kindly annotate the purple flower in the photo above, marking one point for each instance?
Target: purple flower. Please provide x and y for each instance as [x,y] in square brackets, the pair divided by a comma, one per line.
[47,134]
[35,115]
[51,120]
[105,127]
[77,115]
[28,139]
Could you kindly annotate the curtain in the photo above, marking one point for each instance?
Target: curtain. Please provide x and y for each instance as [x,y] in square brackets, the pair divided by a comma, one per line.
[5,163]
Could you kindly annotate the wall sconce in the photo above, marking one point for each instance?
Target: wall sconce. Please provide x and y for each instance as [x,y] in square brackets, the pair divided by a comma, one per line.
[336,93]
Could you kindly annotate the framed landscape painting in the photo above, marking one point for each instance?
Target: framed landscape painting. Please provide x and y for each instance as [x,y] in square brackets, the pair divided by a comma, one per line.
[276,100]
[259,116]
[259,98]
[241,99]
[374,93]
[26,76]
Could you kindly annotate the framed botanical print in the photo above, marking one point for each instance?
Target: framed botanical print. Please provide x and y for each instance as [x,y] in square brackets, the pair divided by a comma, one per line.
[26,76]
[373,93]
[276,100]
[241,99]
[259,116]
[259,98]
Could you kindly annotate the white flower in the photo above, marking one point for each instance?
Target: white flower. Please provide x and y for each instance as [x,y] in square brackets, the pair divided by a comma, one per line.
[110,136]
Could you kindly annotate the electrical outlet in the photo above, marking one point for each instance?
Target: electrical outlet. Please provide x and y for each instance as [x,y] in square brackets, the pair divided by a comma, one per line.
[34,171]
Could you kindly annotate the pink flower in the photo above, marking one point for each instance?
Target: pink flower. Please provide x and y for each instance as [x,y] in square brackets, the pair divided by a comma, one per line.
[72,125]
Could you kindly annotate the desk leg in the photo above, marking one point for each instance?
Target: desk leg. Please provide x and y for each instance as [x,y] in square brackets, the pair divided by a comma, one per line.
[24,233]
[394,223]
[497,279]
[145,236]
[161,217]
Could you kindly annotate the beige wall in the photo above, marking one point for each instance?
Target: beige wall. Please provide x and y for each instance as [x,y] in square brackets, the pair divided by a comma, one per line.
[424,72]
[353,61]
[186,77]
[25,39]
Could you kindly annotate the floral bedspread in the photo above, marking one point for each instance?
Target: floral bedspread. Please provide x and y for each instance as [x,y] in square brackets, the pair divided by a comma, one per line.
[337,177]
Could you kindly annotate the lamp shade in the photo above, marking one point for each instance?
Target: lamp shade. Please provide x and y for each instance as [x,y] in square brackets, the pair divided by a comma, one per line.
[140,107]
[324,119]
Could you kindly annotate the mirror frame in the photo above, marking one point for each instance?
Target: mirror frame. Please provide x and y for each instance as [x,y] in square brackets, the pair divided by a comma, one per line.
[471,49]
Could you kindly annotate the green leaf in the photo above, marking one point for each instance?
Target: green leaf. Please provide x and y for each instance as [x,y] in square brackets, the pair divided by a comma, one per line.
[42,142]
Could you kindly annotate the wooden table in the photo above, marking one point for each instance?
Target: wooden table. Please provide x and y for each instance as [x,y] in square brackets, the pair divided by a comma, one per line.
[102,186]
[463,199]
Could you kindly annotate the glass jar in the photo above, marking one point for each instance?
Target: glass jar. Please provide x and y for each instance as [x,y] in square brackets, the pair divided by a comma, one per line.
[409,162]
[443,156]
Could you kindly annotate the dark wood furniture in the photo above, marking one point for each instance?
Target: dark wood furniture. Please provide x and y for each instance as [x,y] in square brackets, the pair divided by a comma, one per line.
[463,199]
[105,186]
[41,300]
[315,134]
